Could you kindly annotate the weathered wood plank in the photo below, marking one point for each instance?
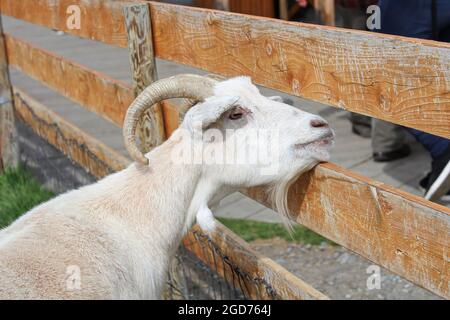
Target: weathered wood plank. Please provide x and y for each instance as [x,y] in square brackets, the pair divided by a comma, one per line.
[97,92]
[402,80]
[98,19]
[171,117]
[257,276]
[91,154]
[404,233]
[143,65]
[8,134]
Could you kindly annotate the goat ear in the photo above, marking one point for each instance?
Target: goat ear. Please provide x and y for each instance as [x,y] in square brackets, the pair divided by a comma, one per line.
[206,113]
[276,98]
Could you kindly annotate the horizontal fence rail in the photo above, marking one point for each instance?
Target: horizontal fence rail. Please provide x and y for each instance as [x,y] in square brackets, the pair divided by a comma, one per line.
[100,20]
[108,97]
[82,148]
[401,80]
[268,279]
[399,231]
[97,92]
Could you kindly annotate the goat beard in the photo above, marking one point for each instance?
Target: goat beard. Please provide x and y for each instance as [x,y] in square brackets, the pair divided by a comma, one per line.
[278,194]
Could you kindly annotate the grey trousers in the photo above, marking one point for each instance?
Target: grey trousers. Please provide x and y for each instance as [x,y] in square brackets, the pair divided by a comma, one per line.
[386,136]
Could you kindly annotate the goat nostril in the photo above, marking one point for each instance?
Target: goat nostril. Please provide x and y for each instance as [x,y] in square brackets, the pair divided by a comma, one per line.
[319,124]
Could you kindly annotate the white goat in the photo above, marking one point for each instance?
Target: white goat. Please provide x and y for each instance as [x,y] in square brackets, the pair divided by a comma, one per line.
[116,238]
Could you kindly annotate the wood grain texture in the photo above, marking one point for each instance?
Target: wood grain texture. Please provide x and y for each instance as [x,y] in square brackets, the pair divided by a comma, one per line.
[171,117]
[404,233]
[9,152]
[98,159]
[143,65]
[100,20]
[97,92]
[108,97]
[140,46]
[257,276]
[402,80]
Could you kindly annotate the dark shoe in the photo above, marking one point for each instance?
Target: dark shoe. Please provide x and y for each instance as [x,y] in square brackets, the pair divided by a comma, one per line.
[400,153]
[425,181]
[362,130]
[438,180]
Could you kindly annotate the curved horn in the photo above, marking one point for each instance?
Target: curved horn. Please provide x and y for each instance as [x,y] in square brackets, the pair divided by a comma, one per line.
[181,86]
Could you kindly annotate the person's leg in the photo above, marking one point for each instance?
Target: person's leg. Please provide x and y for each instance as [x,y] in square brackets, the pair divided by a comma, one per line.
[437,182]
[435,145]
[361,125]
[443,20]
[414,18]
[407,18]
[354,18]
[388,141]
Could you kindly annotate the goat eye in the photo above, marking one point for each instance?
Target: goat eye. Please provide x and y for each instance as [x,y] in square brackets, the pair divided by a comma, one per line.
[235,115]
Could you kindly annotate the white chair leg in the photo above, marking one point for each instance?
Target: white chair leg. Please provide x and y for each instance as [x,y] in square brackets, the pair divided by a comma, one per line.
[441,186]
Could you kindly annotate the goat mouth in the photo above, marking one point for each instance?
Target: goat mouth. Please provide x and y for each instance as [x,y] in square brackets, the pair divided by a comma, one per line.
[324,140]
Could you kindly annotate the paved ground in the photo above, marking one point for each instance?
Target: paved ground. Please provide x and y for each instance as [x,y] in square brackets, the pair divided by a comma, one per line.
[339,273]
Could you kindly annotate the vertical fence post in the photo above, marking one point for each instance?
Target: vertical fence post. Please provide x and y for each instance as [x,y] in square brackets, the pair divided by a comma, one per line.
[9,151]
[143,68]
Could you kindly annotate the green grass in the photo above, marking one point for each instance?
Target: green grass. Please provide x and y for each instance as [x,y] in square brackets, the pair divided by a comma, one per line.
[19,192]
[253,230]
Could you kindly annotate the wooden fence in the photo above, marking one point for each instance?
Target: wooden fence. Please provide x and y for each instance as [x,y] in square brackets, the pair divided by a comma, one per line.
[401,80]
